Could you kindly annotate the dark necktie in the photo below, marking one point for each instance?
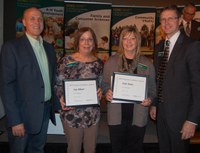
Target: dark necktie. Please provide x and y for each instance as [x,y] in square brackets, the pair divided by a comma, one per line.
[162,69]
[187,29]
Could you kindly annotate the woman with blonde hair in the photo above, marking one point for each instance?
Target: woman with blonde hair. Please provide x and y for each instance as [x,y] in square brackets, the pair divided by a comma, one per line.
[127,121]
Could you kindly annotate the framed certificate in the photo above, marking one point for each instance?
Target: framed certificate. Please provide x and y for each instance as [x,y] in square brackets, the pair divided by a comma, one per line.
[80,92]
[129,88]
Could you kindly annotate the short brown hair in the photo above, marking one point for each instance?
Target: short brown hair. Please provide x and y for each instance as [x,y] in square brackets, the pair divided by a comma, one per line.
[78,35]
[172,8]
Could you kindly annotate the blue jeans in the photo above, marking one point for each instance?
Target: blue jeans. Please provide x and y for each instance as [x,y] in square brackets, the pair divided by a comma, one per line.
[31,143]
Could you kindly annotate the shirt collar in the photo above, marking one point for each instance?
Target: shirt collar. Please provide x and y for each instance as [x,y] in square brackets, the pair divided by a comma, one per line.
[184,22]
[173,40]
[174,37]
[34,41]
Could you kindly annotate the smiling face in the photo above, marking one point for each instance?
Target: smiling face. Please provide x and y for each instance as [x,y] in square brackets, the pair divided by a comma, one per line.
[129,42]
[86,42]
[33,21]
[169,22]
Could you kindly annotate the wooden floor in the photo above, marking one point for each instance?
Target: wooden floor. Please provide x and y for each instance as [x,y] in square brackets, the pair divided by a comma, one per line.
[57,143]
[62,148]
[196,139]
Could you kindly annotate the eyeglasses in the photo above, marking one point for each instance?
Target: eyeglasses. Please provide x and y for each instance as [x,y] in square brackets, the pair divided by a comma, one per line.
[170,19]
[90,40]
[190,14]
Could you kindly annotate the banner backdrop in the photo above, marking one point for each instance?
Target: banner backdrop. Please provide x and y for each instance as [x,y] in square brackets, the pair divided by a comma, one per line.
[94,15]
[53,18]
[141,17]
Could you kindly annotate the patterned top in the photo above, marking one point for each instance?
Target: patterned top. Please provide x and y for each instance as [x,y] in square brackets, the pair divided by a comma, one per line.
[69,68]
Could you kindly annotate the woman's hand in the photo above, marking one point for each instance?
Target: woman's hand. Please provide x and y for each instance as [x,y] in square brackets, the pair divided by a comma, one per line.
[99,93]
[109,95]
[62,103]
[147,102]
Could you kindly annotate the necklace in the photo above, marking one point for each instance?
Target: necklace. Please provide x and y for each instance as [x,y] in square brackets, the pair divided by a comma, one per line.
[130,67]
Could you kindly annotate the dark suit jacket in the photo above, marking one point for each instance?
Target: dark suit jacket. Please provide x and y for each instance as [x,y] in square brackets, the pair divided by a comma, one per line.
[21,83]
[181,86]
[195,30]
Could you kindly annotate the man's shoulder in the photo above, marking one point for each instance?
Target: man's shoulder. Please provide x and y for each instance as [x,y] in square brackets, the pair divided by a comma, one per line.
[160,44]
[46,44]
[14,42]
[196,24]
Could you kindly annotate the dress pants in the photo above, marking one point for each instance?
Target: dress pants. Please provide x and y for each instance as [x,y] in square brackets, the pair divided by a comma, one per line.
[76,136]
[169,139]
[31,143]
[126,138]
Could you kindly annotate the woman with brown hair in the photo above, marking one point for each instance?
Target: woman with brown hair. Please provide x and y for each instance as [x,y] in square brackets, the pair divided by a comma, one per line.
[80,122]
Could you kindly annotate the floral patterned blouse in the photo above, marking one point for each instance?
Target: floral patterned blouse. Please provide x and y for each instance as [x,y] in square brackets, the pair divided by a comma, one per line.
[69,68]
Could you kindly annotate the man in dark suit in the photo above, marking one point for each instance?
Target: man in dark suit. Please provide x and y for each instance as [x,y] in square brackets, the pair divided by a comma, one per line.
[27,76]
[178,109]
[189,26]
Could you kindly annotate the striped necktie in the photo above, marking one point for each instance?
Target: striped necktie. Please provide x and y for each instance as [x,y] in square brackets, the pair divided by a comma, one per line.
[187,29]
[162,69]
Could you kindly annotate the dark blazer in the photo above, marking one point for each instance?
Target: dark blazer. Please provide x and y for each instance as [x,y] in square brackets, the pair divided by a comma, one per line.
[21,83]
[181,86]
[195,30]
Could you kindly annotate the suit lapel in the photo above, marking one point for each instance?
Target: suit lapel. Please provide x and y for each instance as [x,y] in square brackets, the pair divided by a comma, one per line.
[181,28]
[29,49]
[194,30]
[176,50]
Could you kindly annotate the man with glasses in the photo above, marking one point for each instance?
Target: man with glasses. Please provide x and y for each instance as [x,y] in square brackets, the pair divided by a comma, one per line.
[178,85]
[189,26]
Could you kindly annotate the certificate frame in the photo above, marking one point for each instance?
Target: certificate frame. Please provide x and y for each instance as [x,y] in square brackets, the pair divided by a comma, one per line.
[129,88]
[80,92]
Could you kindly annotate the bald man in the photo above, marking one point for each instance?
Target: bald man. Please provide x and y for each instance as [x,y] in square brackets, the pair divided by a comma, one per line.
[27,76]
[193,30]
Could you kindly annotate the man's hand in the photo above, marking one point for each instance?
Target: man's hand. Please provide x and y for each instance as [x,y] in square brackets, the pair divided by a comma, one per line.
[152,112]
[18,130]
[188,130]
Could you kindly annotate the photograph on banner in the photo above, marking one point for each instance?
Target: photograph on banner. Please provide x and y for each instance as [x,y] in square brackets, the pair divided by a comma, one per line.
[53,19]
[88,14]
[141,17]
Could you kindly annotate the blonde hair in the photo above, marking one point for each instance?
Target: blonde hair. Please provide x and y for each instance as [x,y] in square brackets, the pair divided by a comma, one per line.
[130,30]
